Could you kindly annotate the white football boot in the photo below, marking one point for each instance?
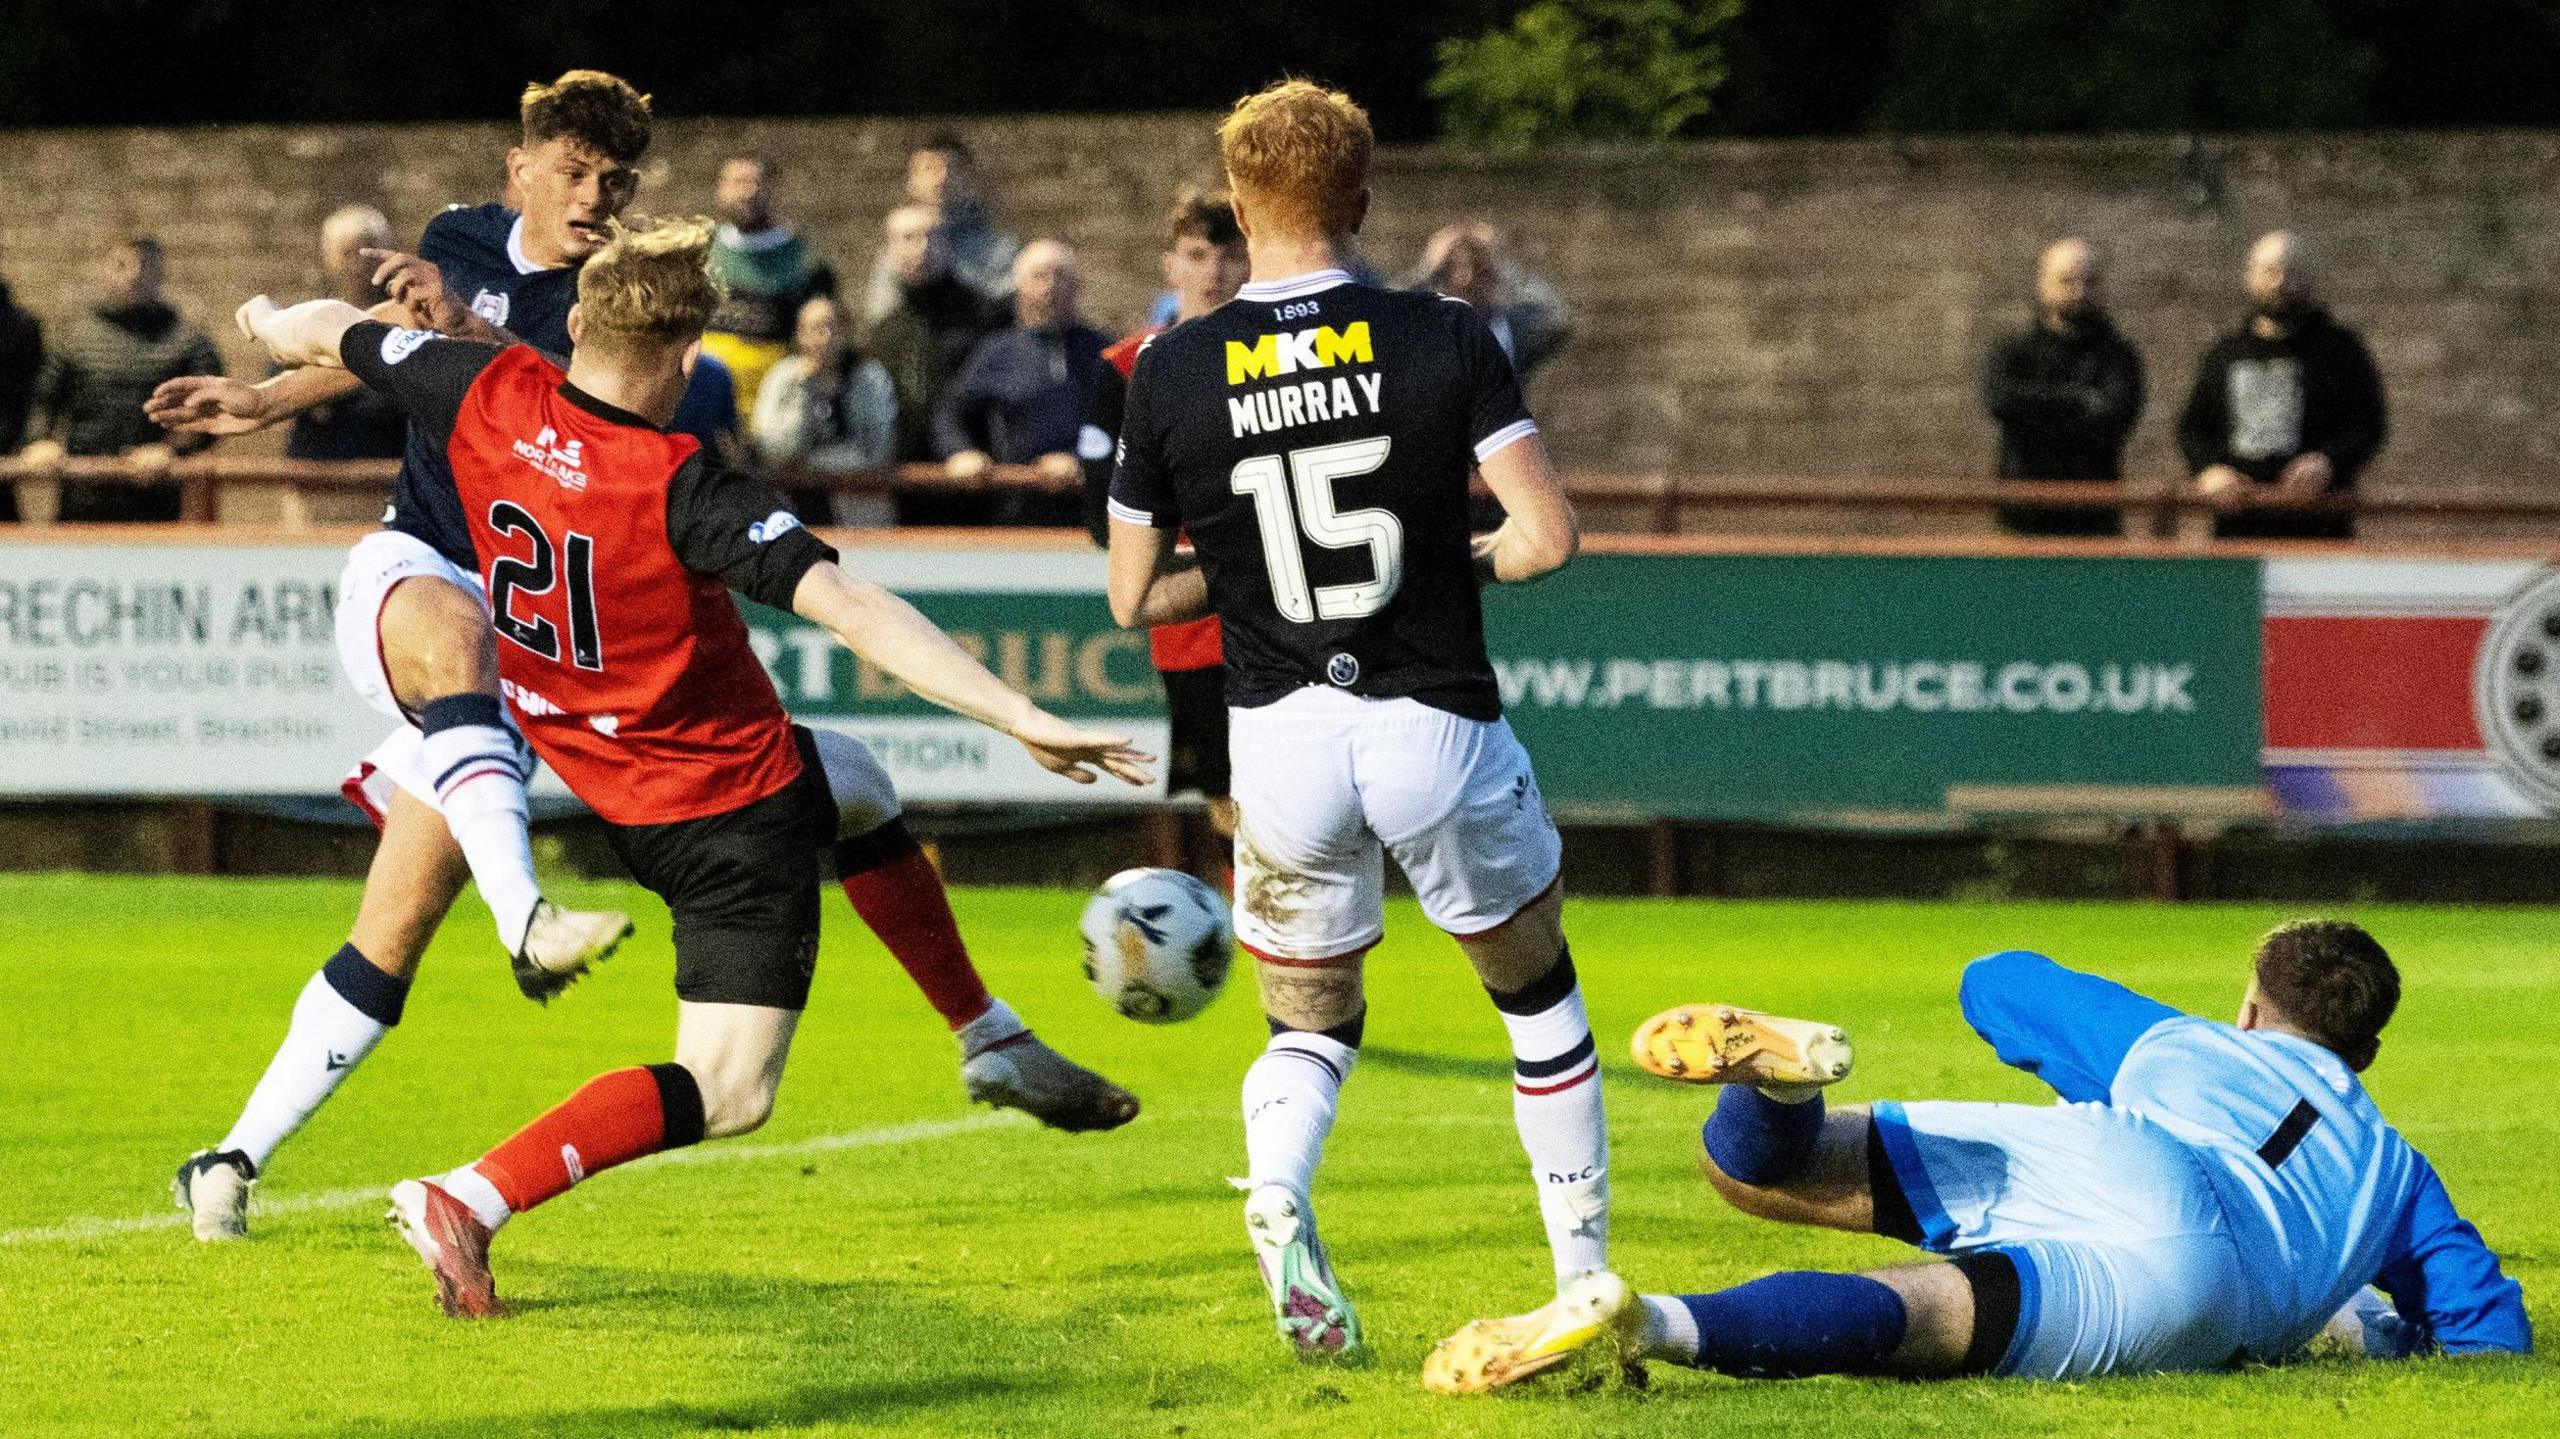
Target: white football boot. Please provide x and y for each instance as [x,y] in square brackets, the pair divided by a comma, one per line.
[1307,1301]
[214,1189]
[560,944]
[1007,1066]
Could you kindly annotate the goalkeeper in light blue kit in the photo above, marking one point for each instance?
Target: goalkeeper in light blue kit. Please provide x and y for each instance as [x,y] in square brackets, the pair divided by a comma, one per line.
[2206,1195]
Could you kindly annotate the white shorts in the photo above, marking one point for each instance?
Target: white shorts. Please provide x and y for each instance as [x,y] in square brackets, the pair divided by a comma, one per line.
[2125,1264]
[378,562]
[1327,783]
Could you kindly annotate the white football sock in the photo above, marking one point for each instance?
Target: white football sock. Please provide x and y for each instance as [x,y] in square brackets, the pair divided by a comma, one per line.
[477,1194]
[1670,1330]
[479,782]
[1555,1101]
[992,1028]
[1288,1106]
[327,1039]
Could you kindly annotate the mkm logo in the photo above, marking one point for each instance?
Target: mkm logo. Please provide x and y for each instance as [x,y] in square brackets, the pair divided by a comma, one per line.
[1322,348]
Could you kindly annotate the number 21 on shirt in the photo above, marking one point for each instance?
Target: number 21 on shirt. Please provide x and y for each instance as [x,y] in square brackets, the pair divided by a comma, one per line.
[534,576]
[1293,495]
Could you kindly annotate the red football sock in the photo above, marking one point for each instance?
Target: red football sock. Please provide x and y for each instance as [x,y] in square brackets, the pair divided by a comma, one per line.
[899,894]
[613,1119]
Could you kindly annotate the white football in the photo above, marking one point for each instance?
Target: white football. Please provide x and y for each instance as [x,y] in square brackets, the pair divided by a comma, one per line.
[1157,944]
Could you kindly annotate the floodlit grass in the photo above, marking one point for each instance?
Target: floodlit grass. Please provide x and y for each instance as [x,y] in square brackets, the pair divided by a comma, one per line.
[876,1262]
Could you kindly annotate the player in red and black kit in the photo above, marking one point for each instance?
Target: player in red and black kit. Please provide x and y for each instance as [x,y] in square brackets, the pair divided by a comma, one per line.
[1204,265]
[608,545]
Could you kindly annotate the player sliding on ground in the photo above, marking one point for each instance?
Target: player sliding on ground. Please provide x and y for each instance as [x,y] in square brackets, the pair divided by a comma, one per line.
[606,543]
[2207,1194]
[413,626]
[1314,437]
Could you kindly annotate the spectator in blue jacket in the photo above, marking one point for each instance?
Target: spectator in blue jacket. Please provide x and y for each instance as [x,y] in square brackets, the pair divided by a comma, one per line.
[1020,399]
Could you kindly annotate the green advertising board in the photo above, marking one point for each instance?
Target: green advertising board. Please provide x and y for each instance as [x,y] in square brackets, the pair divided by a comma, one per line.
[1799,687]
[1778,687]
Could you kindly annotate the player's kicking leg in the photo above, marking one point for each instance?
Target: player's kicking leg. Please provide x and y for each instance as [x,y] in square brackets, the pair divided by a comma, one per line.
[342,1013]
[727,1069]
[892,884]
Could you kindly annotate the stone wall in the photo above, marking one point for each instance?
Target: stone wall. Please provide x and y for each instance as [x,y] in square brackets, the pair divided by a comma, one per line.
[1809,308]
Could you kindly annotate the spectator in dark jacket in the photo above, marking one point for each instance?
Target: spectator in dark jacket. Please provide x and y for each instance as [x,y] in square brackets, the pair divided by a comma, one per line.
[2065,392]
[362,424]
[107,362]
[942,177]
[922,342]
[2286,408]
[1021,400]
[21,357]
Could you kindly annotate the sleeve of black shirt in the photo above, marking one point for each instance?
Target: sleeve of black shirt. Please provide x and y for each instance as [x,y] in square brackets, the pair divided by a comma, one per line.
[2362,421]
[2204,427]
[1141,491]
[2120,391]
[1098,444]
[423,373]
[1497,413]
[728,523]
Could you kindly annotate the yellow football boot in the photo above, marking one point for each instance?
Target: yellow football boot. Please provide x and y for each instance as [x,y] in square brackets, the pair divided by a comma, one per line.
[1593,1308]
[1719,1044]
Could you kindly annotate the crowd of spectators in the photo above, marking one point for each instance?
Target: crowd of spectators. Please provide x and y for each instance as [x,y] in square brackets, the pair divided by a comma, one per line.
[966,349]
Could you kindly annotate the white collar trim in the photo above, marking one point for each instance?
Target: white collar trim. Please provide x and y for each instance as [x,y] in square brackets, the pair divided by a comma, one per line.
[1296,286]
[515,250]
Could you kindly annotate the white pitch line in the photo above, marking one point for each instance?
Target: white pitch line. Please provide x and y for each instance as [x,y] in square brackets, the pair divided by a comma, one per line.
[329,1199]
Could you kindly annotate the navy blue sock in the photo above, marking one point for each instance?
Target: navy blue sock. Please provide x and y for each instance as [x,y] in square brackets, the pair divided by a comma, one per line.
[375,995]
[1791,1325]
[467,708]
[1757,1140]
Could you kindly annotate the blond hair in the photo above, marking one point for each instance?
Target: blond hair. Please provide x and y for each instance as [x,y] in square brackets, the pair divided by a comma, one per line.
[1297,155]
[651,284]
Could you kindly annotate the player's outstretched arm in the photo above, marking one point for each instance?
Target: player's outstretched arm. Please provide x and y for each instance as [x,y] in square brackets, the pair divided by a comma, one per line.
[889,632]
[220,405]
[2069,1029]
[2444,1279]
[299,335]
[1539,532]
[1150,584]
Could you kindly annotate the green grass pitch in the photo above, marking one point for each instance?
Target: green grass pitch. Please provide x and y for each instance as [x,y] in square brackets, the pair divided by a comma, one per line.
[878,1261]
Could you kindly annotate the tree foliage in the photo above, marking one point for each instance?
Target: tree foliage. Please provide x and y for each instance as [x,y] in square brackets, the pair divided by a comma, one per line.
[1584,70]
[2031,65]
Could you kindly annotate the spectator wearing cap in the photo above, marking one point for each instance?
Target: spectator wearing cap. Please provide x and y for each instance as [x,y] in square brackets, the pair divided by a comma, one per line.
[2286,409]
[942,177]
[1021,398]
[2065,392]
[108,360]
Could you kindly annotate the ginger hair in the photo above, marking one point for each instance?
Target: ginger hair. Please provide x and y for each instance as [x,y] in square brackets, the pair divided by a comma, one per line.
[1297,156]
[651,285]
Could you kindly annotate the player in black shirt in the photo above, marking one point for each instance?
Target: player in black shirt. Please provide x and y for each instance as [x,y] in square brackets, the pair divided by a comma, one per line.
[1315,437]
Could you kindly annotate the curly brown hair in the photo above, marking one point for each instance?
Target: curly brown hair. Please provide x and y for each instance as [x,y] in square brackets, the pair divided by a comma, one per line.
[2331,982]
[599,111]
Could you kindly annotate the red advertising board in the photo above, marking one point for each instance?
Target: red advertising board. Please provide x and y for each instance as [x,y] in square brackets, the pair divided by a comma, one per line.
[2412,689]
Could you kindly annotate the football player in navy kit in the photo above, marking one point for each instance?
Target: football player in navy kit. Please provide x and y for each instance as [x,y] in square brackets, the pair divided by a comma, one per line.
[1314,437]
[414,638]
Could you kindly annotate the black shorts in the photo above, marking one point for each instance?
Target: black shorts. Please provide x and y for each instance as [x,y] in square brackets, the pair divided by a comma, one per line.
[743,889]
[1196,703]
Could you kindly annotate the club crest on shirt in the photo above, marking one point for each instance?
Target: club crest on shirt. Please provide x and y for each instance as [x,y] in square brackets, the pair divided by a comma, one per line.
[1343,670]
[490,306]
